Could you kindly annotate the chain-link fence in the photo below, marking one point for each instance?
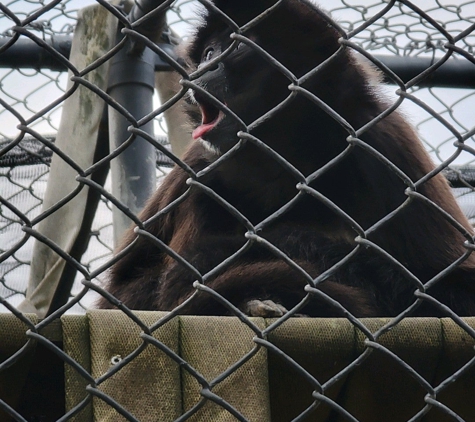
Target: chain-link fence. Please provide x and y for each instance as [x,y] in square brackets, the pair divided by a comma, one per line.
[264,217]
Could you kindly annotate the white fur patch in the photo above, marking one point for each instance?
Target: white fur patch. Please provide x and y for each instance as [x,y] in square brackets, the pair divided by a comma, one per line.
[209,147]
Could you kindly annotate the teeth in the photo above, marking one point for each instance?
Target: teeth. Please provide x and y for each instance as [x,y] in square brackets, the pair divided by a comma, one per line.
[204,115]
[191,96]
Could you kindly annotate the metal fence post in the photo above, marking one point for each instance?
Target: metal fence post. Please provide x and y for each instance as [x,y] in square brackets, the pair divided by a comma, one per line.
[131,83]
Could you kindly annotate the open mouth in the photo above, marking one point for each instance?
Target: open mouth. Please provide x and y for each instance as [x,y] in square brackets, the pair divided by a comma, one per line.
[210,117]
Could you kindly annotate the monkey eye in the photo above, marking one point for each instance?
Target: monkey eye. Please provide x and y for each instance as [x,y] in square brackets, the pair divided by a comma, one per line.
[208,54]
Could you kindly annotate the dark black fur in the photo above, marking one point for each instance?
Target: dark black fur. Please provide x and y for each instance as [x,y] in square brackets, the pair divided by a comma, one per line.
[310,232]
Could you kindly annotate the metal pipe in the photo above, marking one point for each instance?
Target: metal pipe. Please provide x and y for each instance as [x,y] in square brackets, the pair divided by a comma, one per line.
[131,84]
[26,54]
[454,73]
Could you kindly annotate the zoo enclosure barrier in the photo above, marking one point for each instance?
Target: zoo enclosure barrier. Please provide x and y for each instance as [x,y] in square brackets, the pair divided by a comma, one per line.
[126,126]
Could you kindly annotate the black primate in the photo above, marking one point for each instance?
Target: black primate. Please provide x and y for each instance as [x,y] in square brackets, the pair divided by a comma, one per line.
[421,240]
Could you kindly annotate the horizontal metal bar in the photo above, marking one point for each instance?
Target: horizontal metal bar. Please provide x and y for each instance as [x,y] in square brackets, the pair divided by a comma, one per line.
[455,73]
[26,54]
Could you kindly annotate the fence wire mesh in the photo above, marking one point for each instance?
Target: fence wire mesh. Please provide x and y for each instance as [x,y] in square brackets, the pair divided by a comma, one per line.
[31,104]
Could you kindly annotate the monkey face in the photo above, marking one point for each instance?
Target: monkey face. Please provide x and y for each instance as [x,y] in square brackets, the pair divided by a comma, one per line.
[235,83]
[242,76]
[232,91]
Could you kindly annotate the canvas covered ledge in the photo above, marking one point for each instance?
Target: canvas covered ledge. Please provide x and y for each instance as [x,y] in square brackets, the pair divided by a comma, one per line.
[214,364]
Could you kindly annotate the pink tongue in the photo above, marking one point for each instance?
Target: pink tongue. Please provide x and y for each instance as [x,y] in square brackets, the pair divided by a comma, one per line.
[201,130]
